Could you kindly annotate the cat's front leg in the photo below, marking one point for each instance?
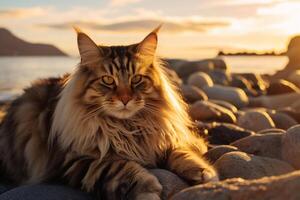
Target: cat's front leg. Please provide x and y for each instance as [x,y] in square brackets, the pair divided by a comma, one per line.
[127,180]
[190,166]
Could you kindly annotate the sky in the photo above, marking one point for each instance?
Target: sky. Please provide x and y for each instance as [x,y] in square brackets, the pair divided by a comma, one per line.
[191,28]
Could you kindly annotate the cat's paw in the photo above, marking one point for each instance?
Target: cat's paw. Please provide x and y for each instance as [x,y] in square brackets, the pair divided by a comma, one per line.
[147,188]
[203,176]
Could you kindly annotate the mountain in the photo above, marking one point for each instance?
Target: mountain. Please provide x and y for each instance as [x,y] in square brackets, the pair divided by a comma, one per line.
[10,45]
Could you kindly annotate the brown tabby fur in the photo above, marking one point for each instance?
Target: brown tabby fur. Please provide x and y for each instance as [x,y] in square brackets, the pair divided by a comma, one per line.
[99,137]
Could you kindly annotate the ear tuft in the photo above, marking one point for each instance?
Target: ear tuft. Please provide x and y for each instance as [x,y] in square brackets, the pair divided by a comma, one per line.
[147,47]
[88,49]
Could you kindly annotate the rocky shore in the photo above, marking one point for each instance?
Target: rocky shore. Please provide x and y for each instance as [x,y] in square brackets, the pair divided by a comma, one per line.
[251,123]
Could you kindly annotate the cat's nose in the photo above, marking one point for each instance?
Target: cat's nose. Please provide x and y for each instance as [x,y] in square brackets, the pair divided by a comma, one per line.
[125,99]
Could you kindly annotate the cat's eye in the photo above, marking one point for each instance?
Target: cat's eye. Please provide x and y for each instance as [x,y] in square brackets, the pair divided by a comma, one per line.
[136,79]
[108,80]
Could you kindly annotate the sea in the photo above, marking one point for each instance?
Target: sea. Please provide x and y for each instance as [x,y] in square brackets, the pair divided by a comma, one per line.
[19,72]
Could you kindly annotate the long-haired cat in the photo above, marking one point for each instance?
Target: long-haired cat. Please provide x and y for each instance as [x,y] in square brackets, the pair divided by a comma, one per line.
[103,126]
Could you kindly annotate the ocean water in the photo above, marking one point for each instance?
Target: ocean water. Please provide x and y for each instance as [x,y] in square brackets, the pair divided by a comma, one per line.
[18,72]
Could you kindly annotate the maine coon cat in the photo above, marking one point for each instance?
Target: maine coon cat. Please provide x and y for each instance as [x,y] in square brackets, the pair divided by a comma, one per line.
[100,128]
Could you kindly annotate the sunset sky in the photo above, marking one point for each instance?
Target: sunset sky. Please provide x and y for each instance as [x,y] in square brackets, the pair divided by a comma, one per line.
[192,28]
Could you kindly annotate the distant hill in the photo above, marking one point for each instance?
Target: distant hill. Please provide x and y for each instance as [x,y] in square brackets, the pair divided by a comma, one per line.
[248,53]
[10,45]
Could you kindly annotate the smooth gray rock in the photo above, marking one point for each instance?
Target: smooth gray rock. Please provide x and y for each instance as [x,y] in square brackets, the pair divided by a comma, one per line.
[282,120]
[255,121]
[242,165]
[284,187]
[215,153]
[192,94]
[171,182]
[200,80]
[291,146]
[235,96]
[207,111]
[267,145]
[225,133]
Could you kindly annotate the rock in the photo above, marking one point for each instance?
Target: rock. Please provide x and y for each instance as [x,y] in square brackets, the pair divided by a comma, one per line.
[281,87]
[192,94]
[292,113]
[285,187]
[240,82]
[295,77]
[293,53]
[256,81]
[200,80]
[175,63]
[220,77]
[296,105]
[242,165]
[282,120]
[291,146]
[225,104]
[271,130]
[171,182]
[206,65]
[267,145]
[280,101]
[224,133]
[215,153]
[232,95]
[207,111]
[255,121]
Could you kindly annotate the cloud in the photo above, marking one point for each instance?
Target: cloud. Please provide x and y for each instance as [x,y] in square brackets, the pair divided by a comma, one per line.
[145,25]
[119,3]
[22,12]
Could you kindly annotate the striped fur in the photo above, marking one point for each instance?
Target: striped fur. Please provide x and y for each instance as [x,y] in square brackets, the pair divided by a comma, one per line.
[102,136]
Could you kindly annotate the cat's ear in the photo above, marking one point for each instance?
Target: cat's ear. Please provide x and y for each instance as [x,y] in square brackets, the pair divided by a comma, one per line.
[147,47]
[88,49]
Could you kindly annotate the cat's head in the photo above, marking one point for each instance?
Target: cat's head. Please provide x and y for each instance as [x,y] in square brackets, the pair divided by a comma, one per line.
[120,80]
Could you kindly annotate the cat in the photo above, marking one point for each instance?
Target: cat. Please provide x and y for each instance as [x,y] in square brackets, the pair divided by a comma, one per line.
[102,127]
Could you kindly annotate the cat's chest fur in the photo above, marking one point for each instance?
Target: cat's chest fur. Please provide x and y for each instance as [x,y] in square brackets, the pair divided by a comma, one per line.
[134,140]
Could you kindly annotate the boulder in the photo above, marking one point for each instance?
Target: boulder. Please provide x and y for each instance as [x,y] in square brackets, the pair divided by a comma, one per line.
[280,101]
[296,105]
[171,182]
[207,111]
[256,80]
[255,121]
[240,82]
[291,146]
[191,94]
[206,65]
[213,154]
[282,120]
[281,87]
[220,77]
[232,95]
[241,165]
[200,80]
[271,130]
[224,133]
[225,104]
[292,113]
[285,187]
[267,145]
